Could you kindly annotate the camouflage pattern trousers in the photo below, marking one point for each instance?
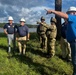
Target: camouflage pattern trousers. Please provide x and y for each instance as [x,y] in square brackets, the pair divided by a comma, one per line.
[65,46]
[43,40]
[51,46]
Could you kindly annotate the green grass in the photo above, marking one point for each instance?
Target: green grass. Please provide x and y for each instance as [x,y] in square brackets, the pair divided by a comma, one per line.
[34,62]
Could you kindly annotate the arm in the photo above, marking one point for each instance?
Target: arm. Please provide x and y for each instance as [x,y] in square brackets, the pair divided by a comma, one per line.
[53,27]
[61,14]
[28,36]
[44,24]
[27,33]
[5,31]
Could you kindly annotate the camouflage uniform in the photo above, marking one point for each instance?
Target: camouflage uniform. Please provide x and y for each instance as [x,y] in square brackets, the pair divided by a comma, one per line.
[41,29]
[66,50]
[51,35]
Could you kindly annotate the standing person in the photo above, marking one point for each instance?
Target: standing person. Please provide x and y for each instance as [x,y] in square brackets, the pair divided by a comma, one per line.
[38,32]
[65,45]
[71,31]
[51,33]
[23,36]
[41,29]
[9,31]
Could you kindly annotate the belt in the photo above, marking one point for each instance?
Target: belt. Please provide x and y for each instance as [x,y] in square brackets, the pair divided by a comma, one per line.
[10,33]
[22,36]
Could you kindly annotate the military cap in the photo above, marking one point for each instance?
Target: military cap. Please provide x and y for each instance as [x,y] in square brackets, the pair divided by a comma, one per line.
[42,18]
[53,19]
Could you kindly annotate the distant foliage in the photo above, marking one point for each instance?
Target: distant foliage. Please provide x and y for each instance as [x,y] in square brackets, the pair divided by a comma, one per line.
[2,24]
[29,25]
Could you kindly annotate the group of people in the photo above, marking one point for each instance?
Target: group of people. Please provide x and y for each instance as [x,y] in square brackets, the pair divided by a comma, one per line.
[70,17]
[46,32]
[15,32]
[47,35]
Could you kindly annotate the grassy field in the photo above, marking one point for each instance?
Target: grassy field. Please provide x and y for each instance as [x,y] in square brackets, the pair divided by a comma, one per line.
[34,62]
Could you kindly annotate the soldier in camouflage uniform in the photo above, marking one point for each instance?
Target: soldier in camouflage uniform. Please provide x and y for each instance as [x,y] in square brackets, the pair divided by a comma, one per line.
[41,29]
[51,35]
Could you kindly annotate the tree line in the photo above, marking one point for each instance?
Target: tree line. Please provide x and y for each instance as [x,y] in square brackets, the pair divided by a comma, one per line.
[29,25]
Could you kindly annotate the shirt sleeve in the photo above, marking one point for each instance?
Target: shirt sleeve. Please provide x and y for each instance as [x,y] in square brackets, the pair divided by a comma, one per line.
[27,30]
[71,18]
[5,26]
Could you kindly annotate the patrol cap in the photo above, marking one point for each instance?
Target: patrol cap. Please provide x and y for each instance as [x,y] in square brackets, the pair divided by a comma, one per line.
[53,19]
[10,18]
[42,18]
[72,8]
[22,20]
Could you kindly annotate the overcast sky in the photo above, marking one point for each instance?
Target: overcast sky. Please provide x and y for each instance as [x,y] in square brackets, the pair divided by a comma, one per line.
[31,10]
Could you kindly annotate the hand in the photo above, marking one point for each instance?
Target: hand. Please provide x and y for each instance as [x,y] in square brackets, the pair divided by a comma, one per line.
[38,22]
[6,33]
[48,11]
[16,38]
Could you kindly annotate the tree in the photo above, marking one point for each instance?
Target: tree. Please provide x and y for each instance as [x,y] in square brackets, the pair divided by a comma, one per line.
[58,7]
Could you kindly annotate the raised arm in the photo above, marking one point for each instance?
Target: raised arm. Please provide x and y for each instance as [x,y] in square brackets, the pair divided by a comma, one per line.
[61,14]
[44,24]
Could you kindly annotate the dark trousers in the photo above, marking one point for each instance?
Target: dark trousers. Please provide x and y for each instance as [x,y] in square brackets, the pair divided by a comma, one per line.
[73,54]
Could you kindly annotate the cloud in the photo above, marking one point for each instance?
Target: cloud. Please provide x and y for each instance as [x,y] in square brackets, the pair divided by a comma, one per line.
[28,9]
[32,14]
[66,4]
[31,10]
[38,10]
[3,19]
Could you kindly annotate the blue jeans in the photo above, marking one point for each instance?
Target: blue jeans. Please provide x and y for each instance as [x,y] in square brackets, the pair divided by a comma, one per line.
[73,54]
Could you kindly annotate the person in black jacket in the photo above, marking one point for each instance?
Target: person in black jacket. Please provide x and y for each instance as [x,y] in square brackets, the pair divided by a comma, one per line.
[65,46]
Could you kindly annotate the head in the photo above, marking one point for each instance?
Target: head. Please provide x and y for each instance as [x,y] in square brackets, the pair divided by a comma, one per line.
[53,20]
[71,10]
[10,19]
[22,21]
[42,19]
